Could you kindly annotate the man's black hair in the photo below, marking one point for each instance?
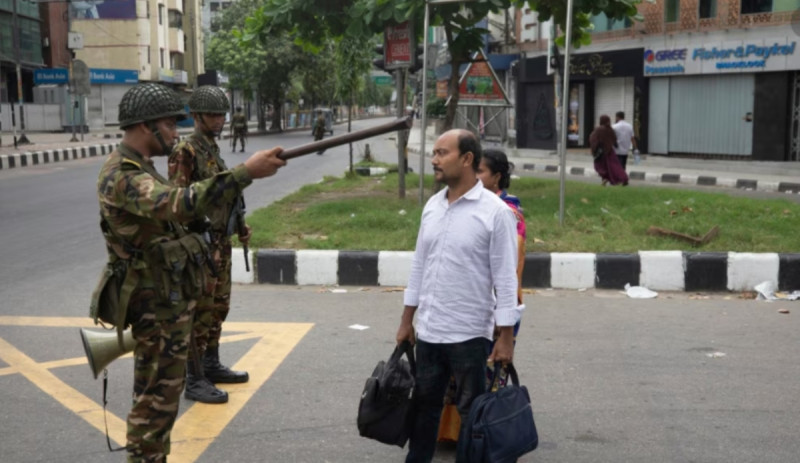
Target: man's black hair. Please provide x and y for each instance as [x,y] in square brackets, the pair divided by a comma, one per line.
[467,141]
[621,114]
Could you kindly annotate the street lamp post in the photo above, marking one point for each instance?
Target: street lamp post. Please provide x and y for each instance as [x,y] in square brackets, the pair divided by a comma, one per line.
[425,91]
[564,93]
[22,140]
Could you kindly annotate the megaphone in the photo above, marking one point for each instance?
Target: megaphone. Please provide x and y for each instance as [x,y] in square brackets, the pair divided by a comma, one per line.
[103,347]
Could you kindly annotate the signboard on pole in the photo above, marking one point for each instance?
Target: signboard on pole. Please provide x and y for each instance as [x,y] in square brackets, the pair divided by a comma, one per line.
[79,78]
[399,49]
[479,86]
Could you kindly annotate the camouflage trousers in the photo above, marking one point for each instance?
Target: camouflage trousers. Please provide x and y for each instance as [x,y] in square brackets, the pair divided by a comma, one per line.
[240,135]
[161,331]
[212,310]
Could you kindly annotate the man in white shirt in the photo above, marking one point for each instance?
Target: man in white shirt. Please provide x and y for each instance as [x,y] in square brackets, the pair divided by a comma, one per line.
[463,283]
[625,138]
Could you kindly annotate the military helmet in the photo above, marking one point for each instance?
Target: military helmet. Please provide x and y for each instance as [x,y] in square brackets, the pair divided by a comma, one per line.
[149,102]
[208,99]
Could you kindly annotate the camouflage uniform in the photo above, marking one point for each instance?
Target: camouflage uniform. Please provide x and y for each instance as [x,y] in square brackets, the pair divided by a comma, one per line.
[193,159]
[239,126]
[140,212]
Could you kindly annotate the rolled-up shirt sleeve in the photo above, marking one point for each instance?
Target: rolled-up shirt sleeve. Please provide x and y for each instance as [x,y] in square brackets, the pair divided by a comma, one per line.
[503,265]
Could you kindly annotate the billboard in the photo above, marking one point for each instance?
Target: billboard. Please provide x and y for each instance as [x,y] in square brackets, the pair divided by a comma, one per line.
[103,9]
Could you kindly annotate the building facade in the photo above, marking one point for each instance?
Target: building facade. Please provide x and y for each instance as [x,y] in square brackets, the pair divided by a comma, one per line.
[703,78]
[20,45]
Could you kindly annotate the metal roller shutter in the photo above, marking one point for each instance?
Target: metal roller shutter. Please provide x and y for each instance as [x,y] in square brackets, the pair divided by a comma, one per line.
[612,95]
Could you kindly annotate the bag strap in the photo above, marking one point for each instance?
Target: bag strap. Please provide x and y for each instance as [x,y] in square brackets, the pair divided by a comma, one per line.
[405,348]
[512,373]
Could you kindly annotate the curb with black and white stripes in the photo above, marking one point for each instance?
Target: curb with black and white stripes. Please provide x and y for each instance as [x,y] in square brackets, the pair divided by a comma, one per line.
[657,270]
[33,158]
[686,179]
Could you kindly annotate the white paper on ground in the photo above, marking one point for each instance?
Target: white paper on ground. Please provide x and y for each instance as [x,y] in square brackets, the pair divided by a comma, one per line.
[358,327]
[639,292]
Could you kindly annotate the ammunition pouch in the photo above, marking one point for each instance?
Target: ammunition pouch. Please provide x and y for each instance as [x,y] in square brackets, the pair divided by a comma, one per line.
[109,303]
[179,268]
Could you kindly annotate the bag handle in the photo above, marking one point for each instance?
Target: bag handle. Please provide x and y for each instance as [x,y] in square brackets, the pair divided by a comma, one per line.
[405,347]
[512,373]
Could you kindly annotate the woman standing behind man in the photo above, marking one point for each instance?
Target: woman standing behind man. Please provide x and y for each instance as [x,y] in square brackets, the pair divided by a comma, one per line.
[603,142]
[494,172]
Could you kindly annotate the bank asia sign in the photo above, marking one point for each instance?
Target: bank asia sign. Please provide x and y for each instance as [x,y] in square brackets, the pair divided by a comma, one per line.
[96,76]
[727,57]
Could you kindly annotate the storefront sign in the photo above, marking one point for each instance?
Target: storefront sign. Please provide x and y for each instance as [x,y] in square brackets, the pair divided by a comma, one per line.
[50,76]
[766,55]
[590,65]
[113,76]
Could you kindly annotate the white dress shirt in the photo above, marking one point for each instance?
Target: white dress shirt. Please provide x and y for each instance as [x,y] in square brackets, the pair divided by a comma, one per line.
[463,277]
[624,133]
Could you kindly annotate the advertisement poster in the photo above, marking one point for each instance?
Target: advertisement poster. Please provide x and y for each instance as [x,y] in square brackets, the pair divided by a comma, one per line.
[103,9]
[479,85]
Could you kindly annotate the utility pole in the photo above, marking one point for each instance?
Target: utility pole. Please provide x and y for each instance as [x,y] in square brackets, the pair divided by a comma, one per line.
[22,140]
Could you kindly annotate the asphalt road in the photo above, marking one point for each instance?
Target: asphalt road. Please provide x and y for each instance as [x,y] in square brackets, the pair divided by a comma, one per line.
[612,379]
[53,250]
[675,379]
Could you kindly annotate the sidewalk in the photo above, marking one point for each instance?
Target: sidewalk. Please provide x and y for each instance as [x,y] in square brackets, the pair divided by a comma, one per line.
[750,175]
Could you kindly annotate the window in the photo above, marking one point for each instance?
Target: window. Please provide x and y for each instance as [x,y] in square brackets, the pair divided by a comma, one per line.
[707,9]
[671,11]
[147,10]
[148,54]
[214,6]
[160,14]
[161,50]
[602,23]
[175,19]
[756,6]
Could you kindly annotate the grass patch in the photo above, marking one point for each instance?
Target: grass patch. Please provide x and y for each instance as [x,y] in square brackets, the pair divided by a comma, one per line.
[364,213]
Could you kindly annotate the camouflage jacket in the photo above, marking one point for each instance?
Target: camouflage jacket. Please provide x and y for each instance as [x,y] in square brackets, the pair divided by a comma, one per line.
[197,158]
[239,122]
[139,209]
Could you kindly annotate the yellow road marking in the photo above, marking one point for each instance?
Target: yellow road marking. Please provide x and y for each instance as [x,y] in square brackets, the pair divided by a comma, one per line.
[196,429]
[65,394]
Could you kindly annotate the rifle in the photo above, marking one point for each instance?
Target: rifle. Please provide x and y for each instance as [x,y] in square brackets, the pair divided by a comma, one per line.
[236,224]
[321,145]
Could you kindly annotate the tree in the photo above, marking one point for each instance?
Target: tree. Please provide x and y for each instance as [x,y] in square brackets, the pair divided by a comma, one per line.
[312,21]
[353,60]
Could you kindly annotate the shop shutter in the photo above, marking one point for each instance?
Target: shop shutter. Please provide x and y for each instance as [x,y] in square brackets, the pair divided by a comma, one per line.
[612,95]
[112,95]
[706,114]
[658,130]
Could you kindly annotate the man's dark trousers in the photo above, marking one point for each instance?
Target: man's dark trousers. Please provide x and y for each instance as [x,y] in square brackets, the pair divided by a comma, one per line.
[466,361]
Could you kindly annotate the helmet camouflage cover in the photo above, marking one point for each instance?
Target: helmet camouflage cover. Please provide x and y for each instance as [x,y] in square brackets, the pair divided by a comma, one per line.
[208,99]
[149,102]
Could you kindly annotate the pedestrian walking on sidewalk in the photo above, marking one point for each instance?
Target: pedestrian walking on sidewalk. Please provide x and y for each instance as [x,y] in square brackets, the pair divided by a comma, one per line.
[142,217]
[462,284]
[603,143]
[625,138]
[198,158]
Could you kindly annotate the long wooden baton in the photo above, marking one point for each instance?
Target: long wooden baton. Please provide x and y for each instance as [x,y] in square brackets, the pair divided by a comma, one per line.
[308,148]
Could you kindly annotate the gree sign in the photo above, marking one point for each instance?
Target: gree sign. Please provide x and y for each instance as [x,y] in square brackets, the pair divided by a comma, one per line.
[398,47]
[757,55]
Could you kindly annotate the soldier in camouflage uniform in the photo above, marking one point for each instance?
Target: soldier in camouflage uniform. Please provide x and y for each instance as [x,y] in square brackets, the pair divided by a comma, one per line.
[196,158]
[141,217]
[239,126]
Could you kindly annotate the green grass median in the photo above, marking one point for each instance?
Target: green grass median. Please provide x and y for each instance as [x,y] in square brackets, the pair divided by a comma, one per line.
[365,213]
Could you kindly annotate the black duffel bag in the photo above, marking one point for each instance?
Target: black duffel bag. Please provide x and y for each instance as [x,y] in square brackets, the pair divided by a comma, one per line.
[385,412]
[499,427]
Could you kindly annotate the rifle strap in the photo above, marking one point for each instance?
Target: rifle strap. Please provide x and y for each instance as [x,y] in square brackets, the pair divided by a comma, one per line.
[105,414]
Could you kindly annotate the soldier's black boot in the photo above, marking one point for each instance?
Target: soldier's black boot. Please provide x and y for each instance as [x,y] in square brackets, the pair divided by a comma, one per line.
[200,389]
[219,373]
